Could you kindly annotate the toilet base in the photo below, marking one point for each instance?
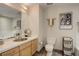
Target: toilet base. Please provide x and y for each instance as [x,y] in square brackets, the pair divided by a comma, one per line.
[49,53]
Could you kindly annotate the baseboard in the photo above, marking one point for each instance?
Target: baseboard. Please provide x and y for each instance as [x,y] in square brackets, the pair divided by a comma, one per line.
[57,50]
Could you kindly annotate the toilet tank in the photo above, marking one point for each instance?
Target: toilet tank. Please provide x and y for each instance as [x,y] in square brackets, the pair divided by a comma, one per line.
[51,40]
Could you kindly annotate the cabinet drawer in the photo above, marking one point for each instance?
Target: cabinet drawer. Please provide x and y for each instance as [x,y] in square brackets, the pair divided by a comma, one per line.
[25,45]
[11,52]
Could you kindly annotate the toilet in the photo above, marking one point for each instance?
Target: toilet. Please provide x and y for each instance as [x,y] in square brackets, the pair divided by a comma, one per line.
[50,45]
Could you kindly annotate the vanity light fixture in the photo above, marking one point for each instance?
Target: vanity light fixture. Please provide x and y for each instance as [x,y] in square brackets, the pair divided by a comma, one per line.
[24,7]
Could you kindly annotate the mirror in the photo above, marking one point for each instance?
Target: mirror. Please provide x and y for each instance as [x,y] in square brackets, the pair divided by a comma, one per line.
[10,21]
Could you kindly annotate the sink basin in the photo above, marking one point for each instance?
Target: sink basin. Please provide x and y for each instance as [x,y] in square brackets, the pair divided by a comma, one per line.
[19,40]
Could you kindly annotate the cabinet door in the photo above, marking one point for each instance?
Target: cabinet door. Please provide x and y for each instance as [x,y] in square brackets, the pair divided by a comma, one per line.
[34,46]
[26,51]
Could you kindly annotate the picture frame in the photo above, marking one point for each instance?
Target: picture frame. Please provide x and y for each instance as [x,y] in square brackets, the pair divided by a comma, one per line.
[66,20]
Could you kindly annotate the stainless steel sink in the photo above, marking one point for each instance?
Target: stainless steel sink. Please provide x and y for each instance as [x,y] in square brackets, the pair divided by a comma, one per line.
[21,39]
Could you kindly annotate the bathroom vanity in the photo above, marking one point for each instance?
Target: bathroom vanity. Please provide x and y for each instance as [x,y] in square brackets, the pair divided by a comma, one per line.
[23,48]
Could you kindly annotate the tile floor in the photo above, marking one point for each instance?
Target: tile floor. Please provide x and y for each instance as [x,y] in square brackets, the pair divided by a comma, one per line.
[43,53]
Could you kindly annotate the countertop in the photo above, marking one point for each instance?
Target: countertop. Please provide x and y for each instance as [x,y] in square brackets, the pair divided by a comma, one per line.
[10,43]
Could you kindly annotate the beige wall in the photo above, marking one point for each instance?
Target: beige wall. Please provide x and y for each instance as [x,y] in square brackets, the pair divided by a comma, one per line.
[33,18]
[42,27]
[24,20]
[36,24]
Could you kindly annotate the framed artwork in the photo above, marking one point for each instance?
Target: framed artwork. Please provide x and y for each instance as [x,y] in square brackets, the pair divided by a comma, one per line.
[65,20]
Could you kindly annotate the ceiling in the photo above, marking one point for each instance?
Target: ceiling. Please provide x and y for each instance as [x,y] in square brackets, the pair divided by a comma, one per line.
[8,11]
[20,6]
[25,6]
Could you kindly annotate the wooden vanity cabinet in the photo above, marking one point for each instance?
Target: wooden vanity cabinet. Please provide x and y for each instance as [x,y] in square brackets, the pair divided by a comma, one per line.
[25,49]
[34,46]
[11,52]
[29,48]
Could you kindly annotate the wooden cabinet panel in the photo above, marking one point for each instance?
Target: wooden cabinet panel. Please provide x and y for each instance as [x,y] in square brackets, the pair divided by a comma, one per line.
[16,54]
[11,52]
[26,51]
[34,46]
[23,46]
